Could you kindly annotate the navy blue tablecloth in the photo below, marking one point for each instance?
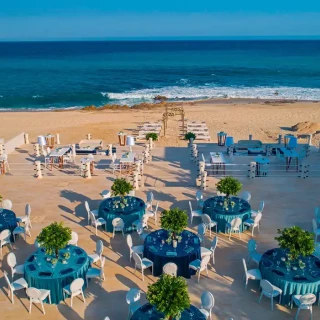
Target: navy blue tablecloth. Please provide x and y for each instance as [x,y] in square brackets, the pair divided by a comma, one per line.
[147,311]
[187,250]
[214,207]
[134,210]
[7,220]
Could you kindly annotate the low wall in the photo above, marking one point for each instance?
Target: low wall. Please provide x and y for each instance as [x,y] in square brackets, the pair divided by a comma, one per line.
[14,143]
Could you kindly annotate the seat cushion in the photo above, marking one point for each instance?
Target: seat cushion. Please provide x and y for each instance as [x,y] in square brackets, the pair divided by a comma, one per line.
[19,284]
[205,313]
[255,256]
[205,252]
[100,221]
[19,269]
[197,213]
[147,263]
[248,222]
[254,274]
[138,249]
[95,212]
[93,257]
[296,299]
[195,264]
[18,230]
[93,272]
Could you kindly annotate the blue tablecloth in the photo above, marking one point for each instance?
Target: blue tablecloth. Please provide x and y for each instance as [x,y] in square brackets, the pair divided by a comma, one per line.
[294,281]
[134,210]
[8,220]
[187,250]
[214,207]
[147,311]
[42,274]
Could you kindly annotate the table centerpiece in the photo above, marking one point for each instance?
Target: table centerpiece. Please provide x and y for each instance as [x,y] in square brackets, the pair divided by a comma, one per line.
[228,186]
[120,188]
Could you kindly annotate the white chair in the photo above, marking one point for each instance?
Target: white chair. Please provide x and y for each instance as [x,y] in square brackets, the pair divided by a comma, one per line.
[199,197]
[200,266]
[142,264]
[150,199]
[209,223]
[97,222]
[105,194]
[270,291]
[114,163]
[210,252]
[317,214]
[316,230]
[202,228]
[303,302]
[12,263]
[133,300]
[5,162]
[154,214]
[194,213]
[15,285]
[74,239]
[5,238]
[134,249]
[245,195]
[143,221]
[38,296]
[252,223]
[251,274]
[253,254]
[96,272]
[234,226]
[94,212]
[23,219]
[140,232]
[207,303]
[25,230]
[95,257]
[220,194]
[74,289]
[7,204]
[118,225]
[255,212]
[170,268]
[132,193]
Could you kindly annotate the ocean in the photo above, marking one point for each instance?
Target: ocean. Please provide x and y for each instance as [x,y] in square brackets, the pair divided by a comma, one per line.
[61,75]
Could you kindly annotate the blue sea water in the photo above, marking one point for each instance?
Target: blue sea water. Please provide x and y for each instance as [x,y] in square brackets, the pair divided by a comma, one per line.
[48,75]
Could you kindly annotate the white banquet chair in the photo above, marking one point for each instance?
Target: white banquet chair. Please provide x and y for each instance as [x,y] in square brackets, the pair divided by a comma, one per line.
[207,304]
[89,211]
[245,195]
[316,230]
[24,218]
[142,264]
[270,291]
[234,226]
[303,302]
[210,252]
[133,300]
[140,232]
[23,230]
[105,194]
[74,239]
[194,213]
[170,268]
[251,274]
[154,214]
[38,296]
[5,239]
[255,212]
[97,222]
[12,263]
[7,204]
[74,289]
[134,249]
[142,221]
[199,198]
[15,285]
[95,257]
[209,223]
[253,254]
[200,265]
[202,228]
[150,199]
[96,273]
[118,225]
[253,223]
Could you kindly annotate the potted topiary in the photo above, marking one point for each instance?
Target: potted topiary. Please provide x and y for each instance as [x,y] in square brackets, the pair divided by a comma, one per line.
[120,188]
[229,186]
[152,135]
[189,135]
[169,295]
[174,221]
[54,237]
[297,241]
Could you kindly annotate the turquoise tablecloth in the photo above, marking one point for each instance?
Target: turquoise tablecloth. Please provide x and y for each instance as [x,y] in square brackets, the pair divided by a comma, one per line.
[134,210]
[7,220]
[294,281]
[147,311]
[160,254]
[214,207]
[42,274]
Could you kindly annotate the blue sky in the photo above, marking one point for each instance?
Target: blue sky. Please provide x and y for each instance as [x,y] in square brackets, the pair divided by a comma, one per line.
[85,19]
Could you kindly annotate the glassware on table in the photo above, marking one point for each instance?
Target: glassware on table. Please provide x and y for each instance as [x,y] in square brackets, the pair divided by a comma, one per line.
[274,254]
[278,264]
[161,246]
[186,243]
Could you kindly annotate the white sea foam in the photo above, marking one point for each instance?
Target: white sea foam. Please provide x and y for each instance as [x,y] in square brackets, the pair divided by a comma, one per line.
[36,96]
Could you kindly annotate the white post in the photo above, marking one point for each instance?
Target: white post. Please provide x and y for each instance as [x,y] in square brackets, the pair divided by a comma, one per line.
[26,138]
[73,148]
[190,142]
[110,149]
[310,139]
[1,149]
[204,180]
[36,150]
[89,136]
[87,170]
[136,180]
[58,138]
[150,143]
[252,172]
[38,173]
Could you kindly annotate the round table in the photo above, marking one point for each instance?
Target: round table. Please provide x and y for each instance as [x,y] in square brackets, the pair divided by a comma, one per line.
[134,210]
[161,253]
[294,281]
[214,207]
[8,220]
[40,273]
[148,311]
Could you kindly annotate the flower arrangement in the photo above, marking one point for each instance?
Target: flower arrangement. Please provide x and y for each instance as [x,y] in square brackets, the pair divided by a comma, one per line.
[169,295]
[54,260]
[66,255]
[122,203]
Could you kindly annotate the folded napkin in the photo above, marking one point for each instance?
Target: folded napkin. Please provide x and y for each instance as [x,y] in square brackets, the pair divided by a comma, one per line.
[269,252]
[153,248]
[78,251]
[45,274]
[196,240]
[65,271]
[81,260]
[31,267]
[267,263]
[31,258]
[317,264]
[300,278]
[188,249]
[278,272]
[171,253]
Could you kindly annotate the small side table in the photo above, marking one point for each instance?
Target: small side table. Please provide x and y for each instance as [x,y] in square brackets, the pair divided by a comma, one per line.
[122,138]
[221,138]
